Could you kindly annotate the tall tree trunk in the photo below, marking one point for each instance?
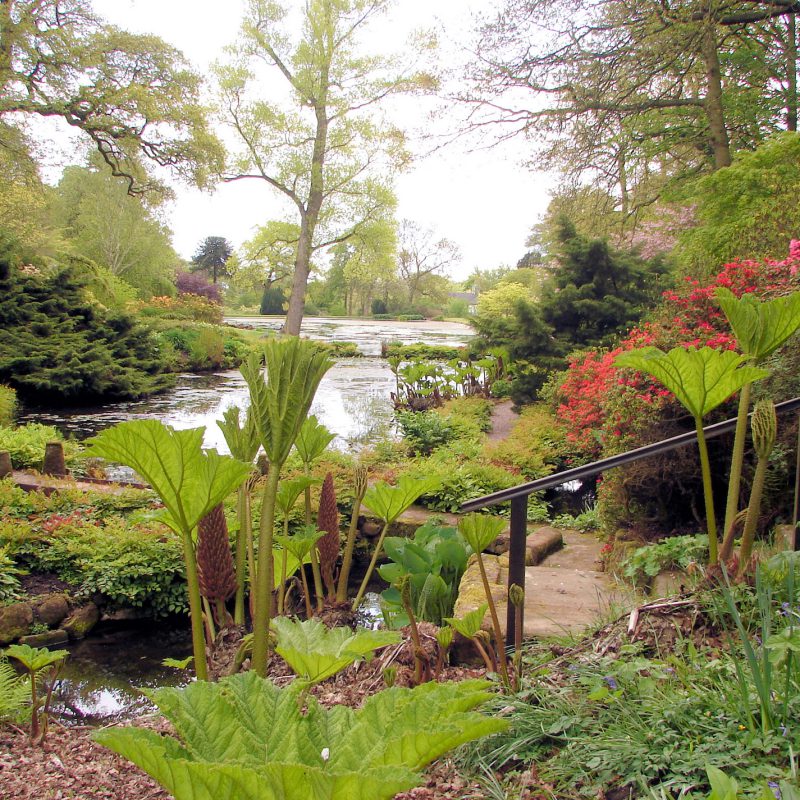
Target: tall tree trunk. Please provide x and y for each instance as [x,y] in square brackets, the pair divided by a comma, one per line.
[715,115]
[791,73]
[308,224]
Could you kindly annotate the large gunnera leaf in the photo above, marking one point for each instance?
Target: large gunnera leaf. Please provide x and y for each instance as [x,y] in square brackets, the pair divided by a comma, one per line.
[315,652]
[244,738]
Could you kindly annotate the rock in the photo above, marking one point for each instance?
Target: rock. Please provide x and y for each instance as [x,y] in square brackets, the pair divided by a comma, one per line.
[541,543]
[47,639]
[5,463]
[81,621]
[668,583]
[15,621]
[51,609]
[371,529]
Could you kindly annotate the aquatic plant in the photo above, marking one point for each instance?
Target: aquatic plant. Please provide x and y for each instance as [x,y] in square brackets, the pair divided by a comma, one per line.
[189,482]
[245,738]
[294,369]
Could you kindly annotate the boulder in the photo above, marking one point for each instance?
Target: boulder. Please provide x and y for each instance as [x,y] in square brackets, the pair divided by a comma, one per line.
[81,621]
[51,609]
[538,545]
[15,621]
[47,639]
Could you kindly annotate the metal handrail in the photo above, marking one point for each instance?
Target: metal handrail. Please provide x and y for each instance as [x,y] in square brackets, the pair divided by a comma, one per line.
[518,495]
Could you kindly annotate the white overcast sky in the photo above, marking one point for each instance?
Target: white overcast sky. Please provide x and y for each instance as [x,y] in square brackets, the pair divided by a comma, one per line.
[484,200]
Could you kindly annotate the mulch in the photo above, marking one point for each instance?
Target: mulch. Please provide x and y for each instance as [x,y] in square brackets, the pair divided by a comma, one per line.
[69,765]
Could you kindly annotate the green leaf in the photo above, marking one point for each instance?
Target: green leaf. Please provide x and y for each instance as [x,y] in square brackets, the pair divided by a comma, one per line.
[299,544]
[315,652]
[188,480]
[293,561]
[760,327]
[34,659]
[722,787]
[700,379]
[480,530]
[242,440]
[312,440]
[389,502]
[469,625]
[290,490]
[280,403]
[248,739]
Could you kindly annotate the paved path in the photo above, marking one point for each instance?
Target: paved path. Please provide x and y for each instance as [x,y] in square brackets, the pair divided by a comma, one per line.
[564,594]
[503,420]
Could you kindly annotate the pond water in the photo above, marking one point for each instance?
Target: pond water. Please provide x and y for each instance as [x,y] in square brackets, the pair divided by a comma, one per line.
[352,400]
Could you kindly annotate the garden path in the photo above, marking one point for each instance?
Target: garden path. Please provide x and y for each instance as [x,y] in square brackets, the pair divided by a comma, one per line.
[503,420]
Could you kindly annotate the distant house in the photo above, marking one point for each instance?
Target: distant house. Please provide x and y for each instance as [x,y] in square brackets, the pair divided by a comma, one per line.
[470,298]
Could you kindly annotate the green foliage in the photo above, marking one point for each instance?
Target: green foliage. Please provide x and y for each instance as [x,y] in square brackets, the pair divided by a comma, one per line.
[128,566]
[280,405]
[273,301]
[424,431]
[14,691]
[700,379]
[26,444]
[747,210]
[184,308]
[8,404]
[188,480]
[434,561]
[421,352]
[316,652]
[103,223]
[10,587]
[760,327]
[242,440]
[389,502]
[675,552]
[264,748]
[312,440]
[469,625]
[55,346]
[480,530]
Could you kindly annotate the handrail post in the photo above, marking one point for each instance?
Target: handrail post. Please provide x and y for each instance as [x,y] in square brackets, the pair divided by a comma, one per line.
[516,561]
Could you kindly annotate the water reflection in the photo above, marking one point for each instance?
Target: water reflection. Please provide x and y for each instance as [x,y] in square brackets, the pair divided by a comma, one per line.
[102,678]
[352,400]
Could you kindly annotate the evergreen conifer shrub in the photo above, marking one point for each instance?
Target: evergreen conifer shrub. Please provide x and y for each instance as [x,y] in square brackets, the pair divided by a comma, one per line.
[56,347]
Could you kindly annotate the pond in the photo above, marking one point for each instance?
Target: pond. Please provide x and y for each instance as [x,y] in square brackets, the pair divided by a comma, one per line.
[352,400]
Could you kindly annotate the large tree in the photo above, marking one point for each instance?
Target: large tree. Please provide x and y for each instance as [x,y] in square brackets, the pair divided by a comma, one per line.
[102,222]
[631,92]
[421,258]
[212,256]
[321,148]
[132,95]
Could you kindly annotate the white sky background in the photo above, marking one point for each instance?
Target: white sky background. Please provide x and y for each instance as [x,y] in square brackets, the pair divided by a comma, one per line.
[483,200]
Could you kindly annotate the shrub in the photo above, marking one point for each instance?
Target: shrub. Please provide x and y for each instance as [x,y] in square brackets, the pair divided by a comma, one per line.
[378,306]
[135,566]
[273,300]
[8,404]
[424,431]
[200,346]
[26,444]
[56,346]
[186,307]
[676,552]
[536,446]
[194,283]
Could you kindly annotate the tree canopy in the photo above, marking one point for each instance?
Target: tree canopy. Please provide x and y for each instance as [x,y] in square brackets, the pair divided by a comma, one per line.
[212,256]
[132,95]
[321,147]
